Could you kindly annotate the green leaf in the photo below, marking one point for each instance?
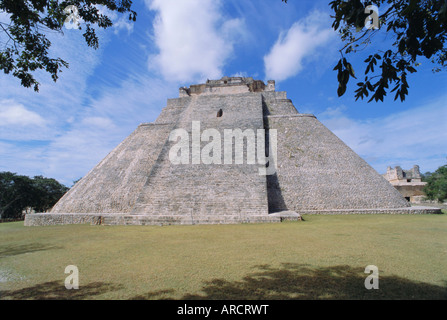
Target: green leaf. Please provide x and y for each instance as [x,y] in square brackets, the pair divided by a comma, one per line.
[338,66]
[341,90]
[351,70]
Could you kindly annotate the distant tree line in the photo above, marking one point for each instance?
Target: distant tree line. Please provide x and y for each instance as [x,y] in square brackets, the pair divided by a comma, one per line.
[20,194]
[436,188]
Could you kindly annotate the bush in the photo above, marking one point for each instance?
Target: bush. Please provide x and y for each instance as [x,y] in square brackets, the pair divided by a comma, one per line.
[436,188]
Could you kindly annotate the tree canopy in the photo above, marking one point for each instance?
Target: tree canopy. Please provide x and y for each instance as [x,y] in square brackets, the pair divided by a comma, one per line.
[436,188]
[19,193]
[24,46]
[418,29]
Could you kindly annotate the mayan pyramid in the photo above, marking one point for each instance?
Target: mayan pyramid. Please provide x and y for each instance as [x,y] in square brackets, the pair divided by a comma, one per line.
[313,171]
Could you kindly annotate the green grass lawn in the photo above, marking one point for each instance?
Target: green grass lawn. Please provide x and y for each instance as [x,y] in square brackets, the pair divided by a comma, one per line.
[323,257]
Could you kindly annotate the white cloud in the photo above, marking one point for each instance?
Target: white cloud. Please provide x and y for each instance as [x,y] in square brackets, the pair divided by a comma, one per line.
[416,136]
[240,74]
[193,38]
[19,123]
[333,112]
[99,122]
[123,23]
[15,114]
[120,21]
[300,42]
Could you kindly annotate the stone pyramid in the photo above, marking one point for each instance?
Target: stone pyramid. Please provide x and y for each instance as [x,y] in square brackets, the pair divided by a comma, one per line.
[299,166]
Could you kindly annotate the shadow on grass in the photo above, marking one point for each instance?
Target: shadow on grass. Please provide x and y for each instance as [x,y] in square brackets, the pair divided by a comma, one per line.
[14,250]
[294,281]
[154,295]
[55,290]
[290,281]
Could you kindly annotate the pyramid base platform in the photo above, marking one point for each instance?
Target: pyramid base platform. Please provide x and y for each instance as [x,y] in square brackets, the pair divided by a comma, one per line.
[48,219]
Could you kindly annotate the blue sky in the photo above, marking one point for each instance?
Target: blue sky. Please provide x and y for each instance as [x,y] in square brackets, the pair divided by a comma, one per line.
[69,126]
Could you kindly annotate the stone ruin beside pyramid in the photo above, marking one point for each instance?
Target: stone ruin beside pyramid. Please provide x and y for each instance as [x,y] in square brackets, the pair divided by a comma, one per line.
[315,172]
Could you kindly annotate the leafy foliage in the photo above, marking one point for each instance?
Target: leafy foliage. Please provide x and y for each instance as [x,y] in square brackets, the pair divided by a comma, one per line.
[436,187]
[48,192]
[18,193]
[419,29]
[26,48]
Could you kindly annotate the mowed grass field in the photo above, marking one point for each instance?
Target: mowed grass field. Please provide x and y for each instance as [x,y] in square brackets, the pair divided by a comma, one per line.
[323,257]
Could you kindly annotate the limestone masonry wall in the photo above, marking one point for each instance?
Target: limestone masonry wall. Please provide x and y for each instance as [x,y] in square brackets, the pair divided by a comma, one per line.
[114,184]
[317,171]
[208,190]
